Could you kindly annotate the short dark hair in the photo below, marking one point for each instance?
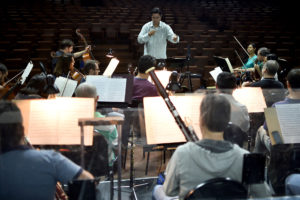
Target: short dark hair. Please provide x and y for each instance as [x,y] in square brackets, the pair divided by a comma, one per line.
[215,112]
[36,85]
[63,64]
[66,43]
[3,68]
[11,128]
[156,10]
[272,67]
[226,82]
[145,63]
[272,56]
[89,65]
[264,51]
[293,78]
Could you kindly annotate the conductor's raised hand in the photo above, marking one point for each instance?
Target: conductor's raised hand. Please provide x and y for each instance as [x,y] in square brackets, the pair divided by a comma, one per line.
[152,32]
[175,38]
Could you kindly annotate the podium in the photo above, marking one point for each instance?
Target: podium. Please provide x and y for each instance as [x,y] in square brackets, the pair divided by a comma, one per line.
[118,121]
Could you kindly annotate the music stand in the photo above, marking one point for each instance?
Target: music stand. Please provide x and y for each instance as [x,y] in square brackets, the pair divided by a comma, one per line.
[224,64]
[105,121]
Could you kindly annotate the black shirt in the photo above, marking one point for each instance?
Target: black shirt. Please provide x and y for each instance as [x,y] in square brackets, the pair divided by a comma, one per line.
[267,83]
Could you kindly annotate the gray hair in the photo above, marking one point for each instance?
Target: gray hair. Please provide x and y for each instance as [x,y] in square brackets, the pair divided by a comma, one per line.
[272,67]
[86,90]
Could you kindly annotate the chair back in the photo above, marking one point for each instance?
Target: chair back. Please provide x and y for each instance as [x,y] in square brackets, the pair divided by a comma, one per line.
[218,188]
[235,135]
[82,190]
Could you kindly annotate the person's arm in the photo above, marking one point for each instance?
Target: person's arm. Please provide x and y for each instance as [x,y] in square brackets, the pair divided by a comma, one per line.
[144,35]
[172,37]
[85,175]
[80,53]
[171,184]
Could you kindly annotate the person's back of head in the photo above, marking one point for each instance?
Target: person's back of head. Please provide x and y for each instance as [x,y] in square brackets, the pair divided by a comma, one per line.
[66,43]
[215,112]
[226,82]
[86,90]
[3,68]
[263,51]
[11,128]
[36,86]
[271,67]
[293,79]
[145,63]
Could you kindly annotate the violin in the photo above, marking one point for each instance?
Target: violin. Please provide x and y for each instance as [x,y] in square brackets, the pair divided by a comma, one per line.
[76,75]
[88,55]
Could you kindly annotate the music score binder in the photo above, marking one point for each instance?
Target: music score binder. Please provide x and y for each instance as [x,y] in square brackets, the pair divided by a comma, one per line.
[284,119]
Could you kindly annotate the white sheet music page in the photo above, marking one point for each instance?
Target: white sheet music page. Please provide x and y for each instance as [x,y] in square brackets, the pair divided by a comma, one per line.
[66,86]
[26,72]
[229,64]
[214,73]
[161,127]
[111,67]
[55,121]
[252,98]
[109,89]
[289,118]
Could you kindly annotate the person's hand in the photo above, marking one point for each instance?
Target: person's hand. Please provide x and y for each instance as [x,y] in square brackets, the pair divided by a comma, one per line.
[175,38]
[152,32]
[87,48]
[246,84]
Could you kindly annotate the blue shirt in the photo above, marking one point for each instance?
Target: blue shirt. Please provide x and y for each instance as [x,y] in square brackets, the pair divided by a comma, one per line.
[250,62]
[156,45]
[31,174]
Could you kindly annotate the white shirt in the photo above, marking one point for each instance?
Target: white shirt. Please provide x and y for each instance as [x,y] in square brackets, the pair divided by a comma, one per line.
[156,45]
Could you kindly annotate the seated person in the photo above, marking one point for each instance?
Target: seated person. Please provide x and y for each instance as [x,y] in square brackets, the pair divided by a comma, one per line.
[262,141]
[273,89]
[110,131]
[251,60]
[64,65]
[211,157]
[226,84]
[141,86]
[25,172]
[91,67]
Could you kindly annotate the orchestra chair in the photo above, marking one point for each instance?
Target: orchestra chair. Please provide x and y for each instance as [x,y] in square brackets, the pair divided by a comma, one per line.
[218,188]
[235,134]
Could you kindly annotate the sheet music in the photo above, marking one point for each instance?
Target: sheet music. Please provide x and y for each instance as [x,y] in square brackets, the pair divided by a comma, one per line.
[163,76]
[161,126]
[229,64]
[26,72]
[111,67]
[252,98]
[214,73]
[65,86]
[109,89]
[289,118]
[55,121]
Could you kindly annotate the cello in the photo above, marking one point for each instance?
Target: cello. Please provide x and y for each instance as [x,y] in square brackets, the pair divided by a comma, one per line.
[89,55]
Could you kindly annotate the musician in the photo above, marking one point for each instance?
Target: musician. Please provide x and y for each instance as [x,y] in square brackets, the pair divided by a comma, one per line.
[64,65]
[269,71]
[66,46]
[262,140]
[141,86]
[154,36]
[3,74]
[226,84]
[211,157]
[249,65]
[262,54]
[110,131]
[91,67]
[26,173]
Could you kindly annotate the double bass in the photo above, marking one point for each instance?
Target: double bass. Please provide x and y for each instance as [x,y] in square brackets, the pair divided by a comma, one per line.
[89,55]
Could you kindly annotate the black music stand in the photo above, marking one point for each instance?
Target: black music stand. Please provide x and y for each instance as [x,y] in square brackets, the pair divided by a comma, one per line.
[221,62]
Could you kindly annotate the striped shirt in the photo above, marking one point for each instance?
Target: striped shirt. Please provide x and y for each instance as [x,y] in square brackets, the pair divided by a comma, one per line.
[156,45]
